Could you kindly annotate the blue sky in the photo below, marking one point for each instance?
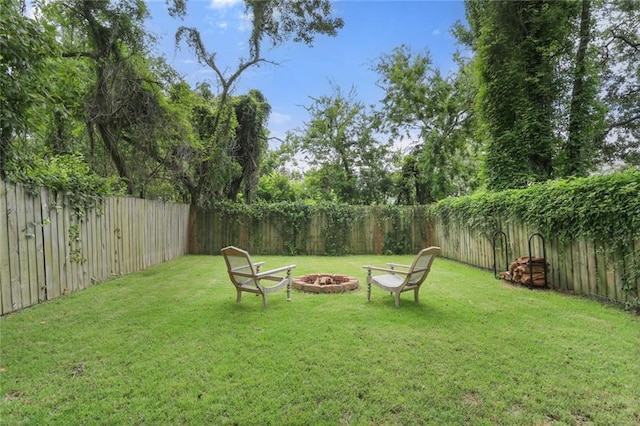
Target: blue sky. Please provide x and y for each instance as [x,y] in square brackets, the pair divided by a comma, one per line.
[372,28]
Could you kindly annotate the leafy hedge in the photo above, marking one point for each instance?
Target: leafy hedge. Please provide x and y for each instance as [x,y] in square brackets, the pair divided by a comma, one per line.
[69,175]
[295,218]
[603,208]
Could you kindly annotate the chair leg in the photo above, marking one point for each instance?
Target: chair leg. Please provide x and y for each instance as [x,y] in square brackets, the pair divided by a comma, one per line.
[264,300]
[397,294]
[239,295]
[288,286]
[415,294]
[368,291]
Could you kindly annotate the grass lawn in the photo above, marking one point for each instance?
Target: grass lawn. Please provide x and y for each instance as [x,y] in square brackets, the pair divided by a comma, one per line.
[171,346]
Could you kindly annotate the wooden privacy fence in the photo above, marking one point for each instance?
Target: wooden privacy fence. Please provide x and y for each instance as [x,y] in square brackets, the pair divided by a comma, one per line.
[370,232]
[590,268]
[45,251]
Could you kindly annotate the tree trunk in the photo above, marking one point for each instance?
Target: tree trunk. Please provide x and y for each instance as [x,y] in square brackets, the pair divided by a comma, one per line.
[580,141]
[111,146]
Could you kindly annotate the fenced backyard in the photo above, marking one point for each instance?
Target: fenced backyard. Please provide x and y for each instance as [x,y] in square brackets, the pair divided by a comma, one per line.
[170,345]
[46,251]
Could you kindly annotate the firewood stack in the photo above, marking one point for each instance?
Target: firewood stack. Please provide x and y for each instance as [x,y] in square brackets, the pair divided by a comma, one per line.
[521,271]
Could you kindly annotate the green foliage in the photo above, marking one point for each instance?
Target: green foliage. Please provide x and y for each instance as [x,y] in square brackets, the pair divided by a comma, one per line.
[604,209]
[436,111]
[67,174]
[345,159]
[275,187]
[518,46]
[252,113]
[339,218]
[292,219]
[399,221]
[24,49]
[618,44]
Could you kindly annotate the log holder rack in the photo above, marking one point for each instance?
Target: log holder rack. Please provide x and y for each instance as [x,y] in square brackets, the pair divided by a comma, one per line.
[500,235]
[544,259]
[505,243]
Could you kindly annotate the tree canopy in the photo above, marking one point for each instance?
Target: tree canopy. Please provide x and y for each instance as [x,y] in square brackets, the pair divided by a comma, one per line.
[541,90]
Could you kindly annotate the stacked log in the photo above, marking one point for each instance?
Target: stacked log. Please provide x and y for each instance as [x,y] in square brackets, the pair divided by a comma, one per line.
[527,271]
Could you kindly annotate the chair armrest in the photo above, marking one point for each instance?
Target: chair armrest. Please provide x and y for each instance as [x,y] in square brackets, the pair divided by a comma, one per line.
[398,265]
[392,271]
[272,271]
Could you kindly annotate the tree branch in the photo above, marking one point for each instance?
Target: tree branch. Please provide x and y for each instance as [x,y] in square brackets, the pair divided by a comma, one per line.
[80,55]
[626,40]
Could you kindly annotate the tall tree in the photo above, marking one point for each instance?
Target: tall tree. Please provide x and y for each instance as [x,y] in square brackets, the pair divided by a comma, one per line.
[619,54]
[252,112]
[435,111]
[275,20]
[122,107]
[25,47]
[585,116]
[518,46]
[345,159]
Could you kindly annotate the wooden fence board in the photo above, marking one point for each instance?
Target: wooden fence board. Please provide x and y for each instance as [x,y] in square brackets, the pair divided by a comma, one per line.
[58,252]
[83,259]
[610,272]
[112,246]
[590,252]
[568,266]
[23,247]
[14,251]
[118,231]
[5,267]
[30,240]
[38,229]
[636,257]
[576,267]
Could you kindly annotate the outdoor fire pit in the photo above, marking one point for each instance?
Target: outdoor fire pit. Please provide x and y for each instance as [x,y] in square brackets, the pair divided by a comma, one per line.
[325,283]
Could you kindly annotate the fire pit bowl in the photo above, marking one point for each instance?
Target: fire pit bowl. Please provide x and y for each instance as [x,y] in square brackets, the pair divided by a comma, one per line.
[325,283]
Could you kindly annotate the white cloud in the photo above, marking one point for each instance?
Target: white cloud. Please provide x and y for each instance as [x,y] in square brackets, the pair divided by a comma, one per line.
[224,4]
[277,118]
[436,32]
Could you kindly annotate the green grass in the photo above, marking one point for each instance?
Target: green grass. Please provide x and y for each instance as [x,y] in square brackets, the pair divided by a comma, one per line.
[171,346]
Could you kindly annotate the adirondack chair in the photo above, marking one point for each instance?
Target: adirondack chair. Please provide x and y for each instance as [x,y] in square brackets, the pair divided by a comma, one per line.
[401,278]
[246,276]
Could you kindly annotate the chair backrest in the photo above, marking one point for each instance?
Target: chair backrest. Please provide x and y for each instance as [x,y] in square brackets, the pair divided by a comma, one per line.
[241,269]
[421,266]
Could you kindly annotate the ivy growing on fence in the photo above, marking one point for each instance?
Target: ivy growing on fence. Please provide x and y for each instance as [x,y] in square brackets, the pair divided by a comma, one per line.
[69,176]
[293,221]
[340,218]
[603,208]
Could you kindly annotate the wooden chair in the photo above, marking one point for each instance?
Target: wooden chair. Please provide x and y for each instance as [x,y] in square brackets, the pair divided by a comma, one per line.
[405,278]
[246,276]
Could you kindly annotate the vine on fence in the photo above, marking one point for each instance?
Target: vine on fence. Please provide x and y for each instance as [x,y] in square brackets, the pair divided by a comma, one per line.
[295,217]
[70,176]
[340,219]
[598,208]
[398,236]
